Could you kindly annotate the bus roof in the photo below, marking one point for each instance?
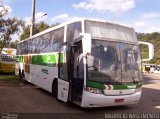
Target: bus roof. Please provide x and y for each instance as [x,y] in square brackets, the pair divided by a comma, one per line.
[8,49]
[76,20]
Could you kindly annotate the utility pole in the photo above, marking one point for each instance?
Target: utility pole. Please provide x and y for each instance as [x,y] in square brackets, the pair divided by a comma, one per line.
[33,18]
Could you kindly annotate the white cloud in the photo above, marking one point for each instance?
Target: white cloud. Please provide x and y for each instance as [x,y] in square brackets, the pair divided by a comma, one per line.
[148,23]
[151,15]
[153,29]
[39,16]
[6,8]
[63,17]
[114,6]
[27,21]
[139,23]
[147,26]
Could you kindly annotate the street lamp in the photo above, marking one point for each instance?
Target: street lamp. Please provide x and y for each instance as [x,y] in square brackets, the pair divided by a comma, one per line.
[33,18]
[44,14]
[32,24]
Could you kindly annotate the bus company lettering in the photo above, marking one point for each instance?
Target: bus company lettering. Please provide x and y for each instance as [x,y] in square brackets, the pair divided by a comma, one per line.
[132,87]
[45,71]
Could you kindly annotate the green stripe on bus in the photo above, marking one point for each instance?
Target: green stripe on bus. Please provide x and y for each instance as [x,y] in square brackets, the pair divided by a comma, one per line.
[115,87]
[45,59]
[61,58]
[20,59]
[129,86]
[49,59]
[35,59]
[95,85]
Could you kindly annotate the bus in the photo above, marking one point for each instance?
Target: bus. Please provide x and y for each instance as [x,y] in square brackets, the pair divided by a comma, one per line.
[89,62]
[7,60]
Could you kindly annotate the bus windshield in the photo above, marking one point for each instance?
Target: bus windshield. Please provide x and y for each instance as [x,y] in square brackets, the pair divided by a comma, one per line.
[131,63]
[8,54]
[107,63]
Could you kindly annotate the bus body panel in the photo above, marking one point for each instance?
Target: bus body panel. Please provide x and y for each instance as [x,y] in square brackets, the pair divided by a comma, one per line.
[63,89]
[42,76]
[7,60]
[42,59]
[99,100]
[7,67]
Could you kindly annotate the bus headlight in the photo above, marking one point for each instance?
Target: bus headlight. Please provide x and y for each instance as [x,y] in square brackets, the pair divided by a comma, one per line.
[94,90]
[138,89]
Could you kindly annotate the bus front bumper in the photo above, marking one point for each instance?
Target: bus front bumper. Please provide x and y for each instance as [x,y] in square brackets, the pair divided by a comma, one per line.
[101,100]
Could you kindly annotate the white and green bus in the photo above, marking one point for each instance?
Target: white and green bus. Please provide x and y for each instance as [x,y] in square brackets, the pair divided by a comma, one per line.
[91,63]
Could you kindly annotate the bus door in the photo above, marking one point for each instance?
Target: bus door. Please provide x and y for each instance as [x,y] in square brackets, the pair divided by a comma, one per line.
[63,82]
[76,72]
[70,73]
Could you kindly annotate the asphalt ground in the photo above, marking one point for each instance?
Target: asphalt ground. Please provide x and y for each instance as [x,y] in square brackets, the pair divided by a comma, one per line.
[29,101]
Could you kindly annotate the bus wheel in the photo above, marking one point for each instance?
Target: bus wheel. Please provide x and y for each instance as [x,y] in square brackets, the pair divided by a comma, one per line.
[20,75]
[23,77]
[55,88]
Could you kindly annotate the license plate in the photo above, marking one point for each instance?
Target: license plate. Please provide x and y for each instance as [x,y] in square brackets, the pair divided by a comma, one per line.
[118,100]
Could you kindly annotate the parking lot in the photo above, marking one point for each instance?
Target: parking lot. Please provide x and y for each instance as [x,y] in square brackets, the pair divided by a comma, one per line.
[27,98]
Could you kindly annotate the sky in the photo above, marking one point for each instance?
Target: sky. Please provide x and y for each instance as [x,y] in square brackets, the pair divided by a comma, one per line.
[142,15]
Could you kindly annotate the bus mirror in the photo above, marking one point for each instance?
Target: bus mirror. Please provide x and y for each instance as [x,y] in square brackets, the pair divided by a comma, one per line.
[150,49]
[86,42]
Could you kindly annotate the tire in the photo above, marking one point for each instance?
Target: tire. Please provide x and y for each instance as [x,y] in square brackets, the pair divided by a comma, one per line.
[55,88]
[23,77]
[20,75]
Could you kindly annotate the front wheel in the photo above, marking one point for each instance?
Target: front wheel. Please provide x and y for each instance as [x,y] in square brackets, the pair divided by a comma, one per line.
[55,89]
[22,76]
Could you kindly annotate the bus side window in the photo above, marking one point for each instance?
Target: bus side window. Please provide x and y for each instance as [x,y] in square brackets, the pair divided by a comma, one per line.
[76,68]
[78,62]
[62,64]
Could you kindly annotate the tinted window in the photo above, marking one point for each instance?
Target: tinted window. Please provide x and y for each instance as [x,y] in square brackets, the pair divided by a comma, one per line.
[48,42]
[73,31]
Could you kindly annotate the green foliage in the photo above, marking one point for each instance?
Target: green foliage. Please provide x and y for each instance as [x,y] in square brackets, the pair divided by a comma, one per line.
[153,38]
[37,28]
[11,26]
[54,24]
[14,44]
[8,27]
[41,27]
[25,34]
[9,80]
[1,43]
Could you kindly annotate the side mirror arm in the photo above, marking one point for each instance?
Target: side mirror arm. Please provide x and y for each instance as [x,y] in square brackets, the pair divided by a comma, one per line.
[150,49]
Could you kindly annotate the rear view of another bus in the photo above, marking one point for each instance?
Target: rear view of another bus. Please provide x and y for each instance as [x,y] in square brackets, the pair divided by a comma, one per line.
[7,60]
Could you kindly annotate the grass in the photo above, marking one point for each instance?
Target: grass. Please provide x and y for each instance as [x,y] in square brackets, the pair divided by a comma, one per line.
[9,79]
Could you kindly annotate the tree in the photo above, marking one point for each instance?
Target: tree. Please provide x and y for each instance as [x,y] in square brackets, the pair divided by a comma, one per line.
[37,28]
[11,26]
[8,27]
[41,27]
[25,34]
[14,44]
[1,43]
[153,38]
